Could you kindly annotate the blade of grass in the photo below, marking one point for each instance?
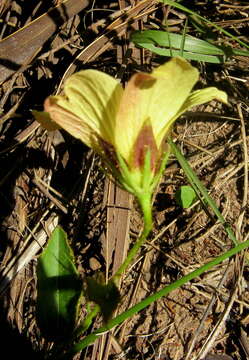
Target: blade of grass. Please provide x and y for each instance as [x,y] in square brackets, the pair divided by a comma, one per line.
[184,37]
[150,299]
[183,8]
[200,189]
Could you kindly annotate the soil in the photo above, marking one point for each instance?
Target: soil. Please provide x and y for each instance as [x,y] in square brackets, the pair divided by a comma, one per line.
[50,178]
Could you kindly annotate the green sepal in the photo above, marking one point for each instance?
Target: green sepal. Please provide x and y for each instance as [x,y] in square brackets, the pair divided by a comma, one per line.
[164,160]
[137,181]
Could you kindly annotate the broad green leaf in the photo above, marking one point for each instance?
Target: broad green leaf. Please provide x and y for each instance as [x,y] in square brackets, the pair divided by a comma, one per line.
[59,289]
[185,196]
[167,39]
[170,44]
[105,295]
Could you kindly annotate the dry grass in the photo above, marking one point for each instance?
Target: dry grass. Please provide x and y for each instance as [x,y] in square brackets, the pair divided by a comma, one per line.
[48,179]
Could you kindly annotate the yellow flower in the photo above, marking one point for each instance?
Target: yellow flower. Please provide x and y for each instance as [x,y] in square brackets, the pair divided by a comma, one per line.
[126,126]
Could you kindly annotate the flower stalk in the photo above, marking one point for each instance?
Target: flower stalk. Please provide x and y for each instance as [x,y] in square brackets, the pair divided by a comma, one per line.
[146,208]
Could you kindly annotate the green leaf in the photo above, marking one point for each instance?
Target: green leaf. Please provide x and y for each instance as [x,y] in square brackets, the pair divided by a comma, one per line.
[185,196]
[191,48]
[59,289]
[169,44]
[166,39]
[107,296]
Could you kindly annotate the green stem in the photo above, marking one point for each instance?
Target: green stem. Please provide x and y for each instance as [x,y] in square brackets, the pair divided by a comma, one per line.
[87,321]
[146,207]
[144,197]
[150,299]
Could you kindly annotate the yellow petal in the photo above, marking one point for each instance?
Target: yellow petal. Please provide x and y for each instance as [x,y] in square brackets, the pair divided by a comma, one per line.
[68,121]
[45,120]
[202,96]
[199,97]
[157,97]
[92,98]
[144,142]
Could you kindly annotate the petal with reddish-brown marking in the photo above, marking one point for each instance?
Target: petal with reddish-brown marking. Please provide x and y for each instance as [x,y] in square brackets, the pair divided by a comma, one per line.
[145,142]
